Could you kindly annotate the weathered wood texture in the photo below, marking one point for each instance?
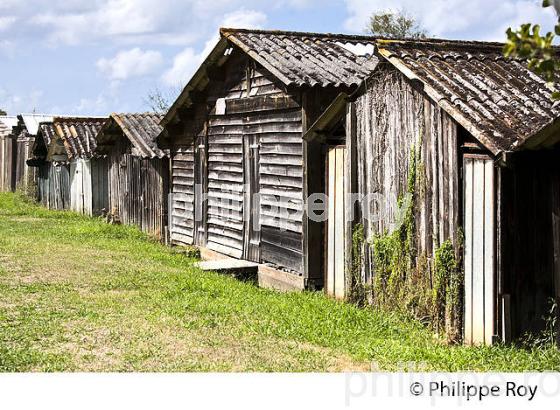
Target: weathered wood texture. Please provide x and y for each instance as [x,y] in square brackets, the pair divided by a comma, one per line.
[249,141]
[393,121]
[531,245]
[138,189]
[24,175]
[53,185]
[181,224]
[479,257]
[8,153]
[89,186]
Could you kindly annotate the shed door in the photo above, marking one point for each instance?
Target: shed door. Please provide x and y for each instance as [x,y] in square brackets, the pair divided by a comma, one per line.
[479,250]
[335,280]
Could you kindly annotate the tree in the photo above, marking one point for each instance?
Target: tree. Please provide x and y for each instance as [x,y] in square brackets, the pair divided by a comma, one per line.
[160,101]
[527,43]
[2,112]
[395,24]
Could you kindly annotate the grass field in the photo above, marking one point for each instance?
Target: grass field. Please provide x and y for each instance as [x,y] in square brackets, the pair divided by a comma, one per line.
[77,294]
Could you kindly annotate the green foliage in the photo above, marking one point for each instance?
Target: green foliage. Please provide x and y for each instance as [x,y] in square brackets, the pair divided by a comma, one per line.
[2,112]
[359,291]
[395,24]
[548,338]
[447,291]
[528,44]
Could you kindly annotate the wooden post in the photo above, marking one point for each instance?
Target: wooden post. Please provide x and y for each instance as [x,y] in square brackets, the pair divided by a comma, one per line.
[351,187]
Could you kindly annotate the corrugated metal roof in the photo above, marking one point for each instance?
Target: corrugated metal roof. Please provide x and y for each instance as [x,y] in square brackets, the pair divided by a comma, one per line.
[296,59]
[498,100]
[47,131]
[310,59]
[32,121]
[7,122]
[142,130]
[78,134]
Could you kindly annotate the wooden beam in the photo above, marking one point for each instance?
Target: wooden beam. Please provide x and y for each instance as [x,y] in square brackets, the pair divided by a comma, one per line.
[351,187]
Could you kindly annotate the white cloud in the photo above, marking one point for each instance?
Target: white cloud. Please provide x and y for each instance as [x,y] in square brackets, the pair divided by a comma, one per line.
[244,19]
[130,63]
[474,19]
[17,103]
[187,61]
[7,22]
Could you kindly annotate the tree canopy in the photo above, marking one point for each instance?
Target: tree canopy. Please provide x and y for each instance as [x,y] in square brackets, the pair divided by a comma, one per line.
[527,43]
[395,24]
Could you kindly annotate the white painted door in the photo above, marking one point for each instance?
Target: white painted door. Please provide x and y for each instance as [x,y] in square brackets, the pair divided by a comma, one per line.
[335,282]
[479,222]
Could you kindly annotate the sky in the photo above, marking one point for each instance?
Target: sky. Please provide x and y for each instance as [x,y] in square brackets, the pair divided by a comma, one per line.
[94,57]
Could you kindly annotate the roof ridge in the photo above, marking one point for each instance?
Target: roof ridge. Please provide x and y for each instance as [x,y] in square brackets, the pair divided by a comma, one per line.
[225,31]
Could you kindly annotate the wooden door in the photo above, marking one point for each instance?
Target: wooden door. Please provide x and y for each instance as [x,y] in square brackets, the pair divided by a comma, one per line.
[335,281]
[479,220]
[252,235]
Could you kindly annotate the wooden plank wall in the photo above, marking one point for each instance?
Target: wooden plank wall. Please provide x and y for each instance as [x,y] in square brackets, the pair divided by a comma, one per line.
[479,224]
[531,205]
[8,152]
[393,118]
[53,185]
[138,190]
[24,175]
[244,115]
[181,224]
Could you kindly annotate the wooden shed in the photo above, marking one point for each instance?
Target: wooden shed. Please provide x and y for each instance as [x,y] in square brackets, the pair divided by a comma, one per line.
[8,152]
[471,139]
[52,170]
[138,171]
[25,133]
[240,168]
[71,174]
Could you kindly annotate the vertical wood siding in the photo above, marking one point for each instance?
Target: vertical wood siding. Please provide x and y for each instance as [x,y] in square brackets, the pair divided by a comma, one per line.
[53,186]
[393,119]
[138,190]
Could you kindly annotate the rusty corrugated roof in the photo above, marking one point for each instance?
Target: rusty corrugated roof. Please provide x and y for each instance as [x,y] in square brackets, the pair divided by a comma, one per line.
[498,100]
[141,129]
[78,134]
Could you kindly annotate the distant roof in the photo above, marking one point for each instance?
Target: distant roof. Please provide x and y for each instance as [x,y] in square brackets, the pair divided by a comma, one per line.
[8,121]
[78,134]
[296,59]
[32,121]
[141,129]
[500,101]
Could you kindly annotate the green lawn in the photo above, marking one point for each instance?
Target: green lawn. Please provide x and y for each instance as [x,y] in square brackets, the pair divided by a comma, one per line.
[77,294]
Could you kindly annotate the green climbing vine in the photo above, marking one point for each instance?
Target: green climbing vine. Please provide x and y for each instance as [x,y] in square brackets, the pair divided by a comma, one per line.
[405,281]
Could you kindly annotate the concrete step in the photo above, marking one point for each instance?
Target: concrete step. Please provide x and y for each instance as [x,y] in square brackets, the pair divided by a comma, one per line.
[239,269]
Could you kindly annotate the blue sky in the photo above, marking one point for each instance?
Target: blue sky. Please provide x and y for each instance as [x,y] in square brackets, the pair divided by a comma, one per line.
[100,56]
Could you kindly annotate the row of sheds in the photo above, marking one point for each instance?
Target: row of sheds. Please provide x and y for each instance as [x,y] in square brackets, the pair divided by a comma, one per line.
[96,166]
[470,135]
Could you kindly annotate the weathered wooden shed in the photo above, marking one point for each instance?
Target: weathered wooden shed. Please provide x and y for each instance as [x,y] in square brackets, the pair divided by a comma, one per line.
[71,174]
[25,133]
[138,171]
[240,168]
[470,138]
[52,170]
[8,152]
